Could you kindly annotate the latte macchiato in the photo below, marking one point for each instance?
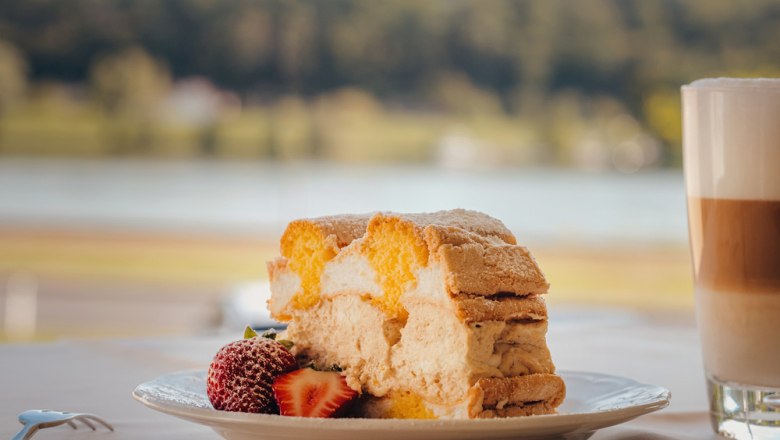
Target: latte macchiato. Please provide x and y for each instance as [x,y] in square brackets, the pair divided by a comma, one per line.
[732,174]
[736,255]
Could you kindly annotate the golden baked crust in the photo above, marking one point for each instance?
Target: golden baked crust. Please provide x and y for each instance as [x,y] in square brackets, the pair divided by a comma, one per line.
[480,256]
[459,219]
[533,394]
[478,265]
[520,390]
[471,308]
[344,228]
[531,409]
[479,253]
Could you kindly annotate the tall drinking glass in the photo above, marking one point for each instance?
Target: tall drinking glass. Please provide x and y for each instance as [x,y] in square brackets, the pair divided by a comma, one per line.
[731,149]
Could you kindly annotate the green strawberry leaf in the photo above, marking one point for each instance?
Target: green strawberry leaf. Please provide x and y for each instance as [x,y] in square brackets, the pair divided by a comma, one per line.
[270,334]
[249,333]
[287,344]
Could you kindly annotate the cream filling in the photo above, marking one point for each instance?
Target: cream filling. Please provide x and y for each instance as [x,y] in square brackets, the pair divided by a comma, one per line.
[285,285]
[349,273]
[429,289]
[460,411]
[433,354]
[349,332]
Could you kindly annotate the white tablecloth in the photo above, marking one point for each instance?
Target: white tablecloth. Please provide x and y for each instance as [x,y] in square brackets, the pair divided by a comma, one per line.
[99,376]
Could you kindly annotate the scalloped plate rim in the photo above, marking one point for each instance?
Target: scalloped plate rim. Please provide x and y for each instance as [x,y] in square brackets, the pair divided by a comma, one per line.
[577,422]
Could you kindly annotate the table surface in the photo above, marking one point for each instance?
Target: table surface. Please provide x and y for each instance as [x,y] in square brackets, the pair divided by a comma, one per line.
[98,376]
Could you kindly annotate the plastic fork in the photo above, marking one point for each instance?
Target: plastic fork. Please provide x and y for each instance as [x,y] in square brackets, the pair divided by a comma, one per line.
[36,419]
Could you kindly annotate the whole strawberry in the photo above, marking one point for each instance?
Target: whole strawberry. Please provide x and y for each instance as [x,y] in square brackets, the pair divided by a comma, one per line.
[242,373]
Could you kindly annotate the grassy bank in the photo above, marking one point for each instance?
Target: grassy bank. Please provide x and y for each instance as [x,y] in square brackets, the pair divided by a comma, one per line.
[633,276]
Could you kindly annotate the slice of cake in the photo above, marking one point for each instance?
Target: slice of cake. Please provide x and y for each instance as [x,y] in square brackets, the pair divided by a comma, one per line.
[429,315]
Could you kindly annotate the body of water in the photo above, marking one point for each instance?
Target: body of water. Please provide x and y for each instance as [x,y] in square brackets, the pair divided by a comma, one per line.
[539,205]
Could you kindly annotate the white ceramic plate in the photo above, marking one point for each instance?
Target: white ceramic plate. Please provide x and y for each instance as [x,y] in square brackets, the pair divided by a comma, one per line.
[593,401]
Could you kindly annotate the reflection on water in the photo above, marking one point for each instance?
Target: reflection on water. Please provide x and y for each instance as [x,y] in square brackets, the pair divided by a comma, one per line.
[540,205]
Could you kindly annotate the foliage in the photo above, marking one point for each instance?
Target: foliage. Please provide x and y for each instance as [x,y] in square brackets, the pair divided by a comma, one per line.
[13,79]
[129,88]
[129,83]
[546,64]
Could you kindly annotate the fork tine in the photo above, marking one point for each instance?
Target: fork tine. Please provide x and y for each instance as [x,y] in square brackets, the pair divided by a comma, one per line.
[71,424]
[98,419]
[85,421]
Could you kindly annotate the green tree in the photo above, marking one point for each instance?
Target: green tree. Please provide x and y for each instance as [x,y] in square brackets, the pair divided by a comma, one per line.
[129,88]
[13,81]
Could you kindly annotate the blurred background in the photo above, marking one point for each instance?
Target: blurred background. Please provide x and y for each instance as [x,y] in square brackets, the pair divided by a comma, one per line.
[151,152]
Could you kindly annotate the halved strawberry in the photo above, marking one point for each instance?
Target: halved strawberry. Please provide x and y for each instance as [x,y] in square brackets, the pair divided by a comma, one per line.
[310,393]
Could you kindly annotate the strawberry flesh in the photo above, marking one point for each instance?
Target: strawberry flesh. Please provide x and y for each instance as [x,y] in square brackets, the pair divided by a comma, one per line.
[310,393]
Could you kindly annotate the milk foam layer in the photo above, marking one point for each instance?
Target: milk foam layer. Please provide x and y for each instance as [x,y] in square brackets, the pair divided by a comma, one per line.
[732,138]
[739,336]
[737,83]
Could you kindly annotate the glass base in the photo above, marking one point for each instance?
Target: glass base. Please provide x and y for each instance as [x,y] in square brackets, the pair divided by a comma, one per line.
[744,412]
